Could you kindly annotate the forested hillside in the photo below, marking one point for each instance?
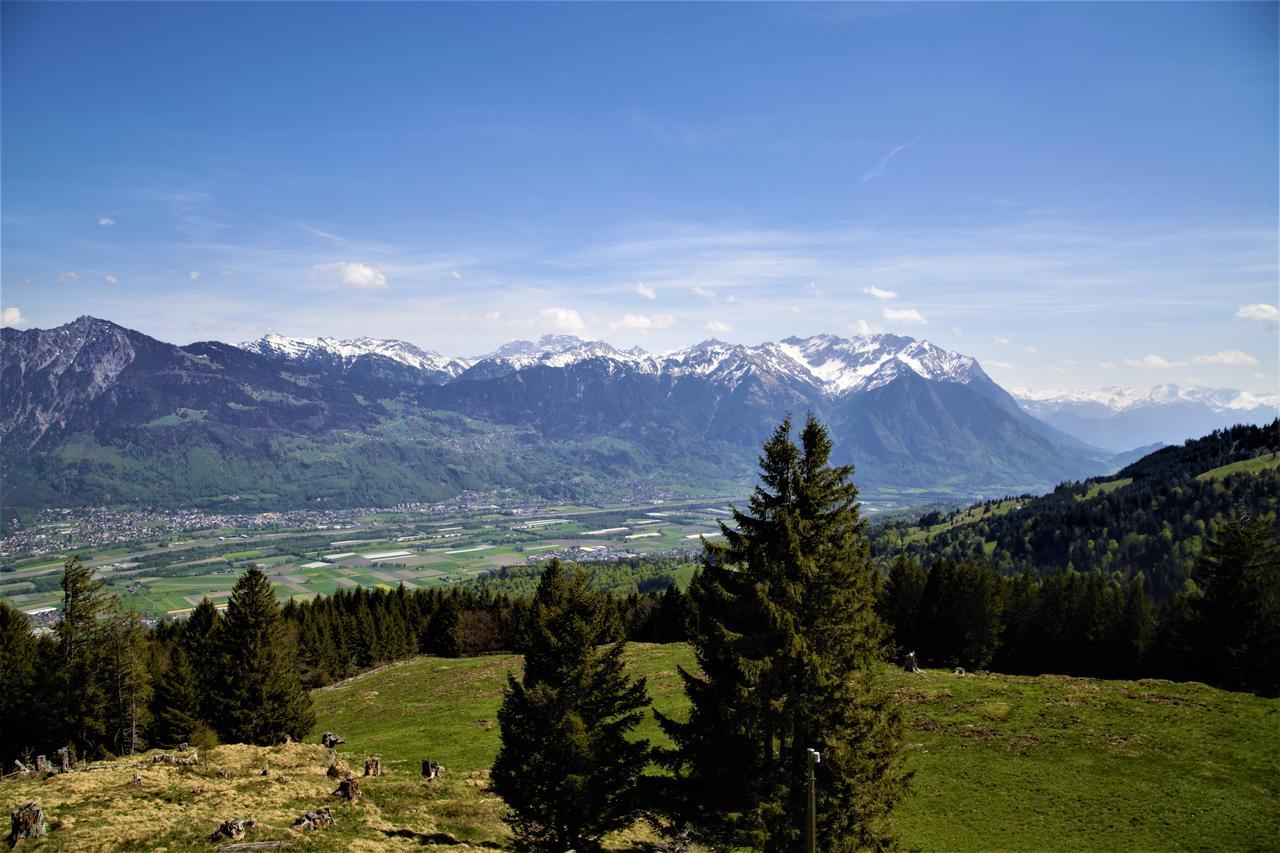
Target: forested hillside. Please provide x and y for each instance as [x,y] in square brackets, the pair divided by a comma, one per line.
[1150,517]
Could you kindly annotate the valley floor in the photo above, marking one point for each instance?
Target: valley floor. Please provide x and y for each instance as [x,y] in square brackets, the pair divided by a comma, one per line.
[1000,762]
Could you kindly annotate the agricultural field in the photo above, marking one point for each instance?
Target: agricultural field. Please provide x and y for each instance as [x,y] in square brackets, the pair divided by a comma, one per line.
[165,579]
[999,763]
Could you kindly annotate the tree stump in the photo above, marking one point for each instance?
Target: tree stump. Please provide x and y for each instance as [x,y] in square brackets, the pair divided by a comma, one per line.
[317,819]
[26,822]
[233,830]
[43,765]
[348,789]
[431,770]
[373,766]
[64,760]
[331,740]
[137,778]
[20,768]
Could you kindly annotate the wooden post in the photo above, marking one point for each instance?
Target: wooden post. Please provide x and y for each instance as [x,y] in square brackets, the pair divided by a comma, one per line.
[811,825]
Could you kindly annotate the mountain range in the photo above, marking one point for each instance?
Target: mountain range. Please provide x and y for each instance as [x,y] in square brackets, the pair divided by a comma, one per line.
[1122,418]
[95,413]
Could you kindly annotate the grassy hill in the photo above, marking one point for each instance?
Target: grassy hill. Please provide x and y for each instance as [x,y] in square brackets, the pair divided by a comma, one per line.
[1000,762]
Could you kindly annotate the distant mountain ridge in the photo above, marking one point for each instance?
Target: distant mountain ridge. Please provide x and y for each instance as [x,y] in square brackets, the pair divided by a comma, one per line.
[1122,418]
[96,413]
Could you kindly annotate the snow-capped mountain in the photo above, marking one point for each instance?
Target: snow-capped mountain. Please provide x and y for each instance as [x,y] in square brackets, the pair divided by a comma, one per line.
[831,365]
[1123,418]
[347,352]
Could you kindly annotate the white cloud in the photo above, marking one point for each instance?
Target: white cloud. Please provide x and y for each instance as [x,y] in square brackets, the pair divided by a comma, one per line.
[494,316]
[909,316]
[355,274]
[862,327]
[731,298]
[1000,341]
[1057,369]
[106,220]
[566,319]
[955,330]
[1070,361]
[1107,365]
[1234,357]
[645,291]
[644,321]
[882,295]
[703,292]
[1030,350]
[1267,315]
[195,274]
[1259,375]
[1152,362]
[457,275]
[68,277]
[1002,364]
[716,326]
[111,278]
[12,317]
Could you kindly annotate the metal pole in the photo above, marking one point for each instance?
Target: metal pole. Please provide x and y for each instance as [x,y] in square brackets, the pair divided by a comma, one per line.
[811,826]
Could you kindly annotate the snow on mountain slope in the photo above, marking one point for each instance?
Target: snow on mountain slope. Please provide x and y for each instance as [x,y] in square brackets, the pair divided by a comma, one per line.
[347,351]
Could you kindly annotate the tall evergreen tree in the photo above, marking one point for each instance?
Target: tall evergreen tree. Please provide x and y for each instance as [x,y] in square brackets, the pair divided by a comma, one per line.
[788,641]
[201,640]
[82,697]
[262,700]
[1239,626]
[176,704]
[128,682]
[566,769]
[18,696]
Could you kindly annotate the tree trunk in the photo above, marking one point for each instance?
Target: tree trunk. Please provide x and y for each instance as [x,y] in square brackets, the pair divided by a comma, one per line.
[348,789]
[373,767]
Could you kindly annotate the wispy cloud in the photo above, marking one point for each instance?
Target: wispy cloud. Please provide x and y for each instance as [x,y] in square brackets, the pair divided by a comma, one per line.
[325,235]
[111,278]
[1226,357]
[1267,315]
[717,326]
[11,316]
[699,290]
[879,168]
[645,291]
[882,295]
[1000,341]
[68,277]
[1001,364]
[194,274]
[106,220]
[862,327]
[910,316]
[1151,361]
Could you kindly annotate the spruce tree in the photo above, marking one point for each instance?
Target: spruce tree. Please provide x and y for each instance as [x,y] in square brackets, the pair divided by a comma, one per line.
[176,704]
[81,673]
[566,768]
[18,711]
[128,682]
[201,640]
[785,632]
[262,699]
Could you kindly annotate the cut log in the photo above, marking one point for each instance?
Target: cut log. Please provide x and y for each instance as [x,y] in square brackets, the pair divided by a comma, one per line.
[331,740]
[233,830]
[431,770]
[318,819]
[373,766]
[20,768]
[64,760]
[166,758]
[26,822]
[348,789]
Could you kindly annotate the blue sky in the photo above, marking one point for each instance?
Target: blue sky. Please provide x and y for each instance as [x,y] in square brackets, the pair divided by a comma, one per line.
[1079,194]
